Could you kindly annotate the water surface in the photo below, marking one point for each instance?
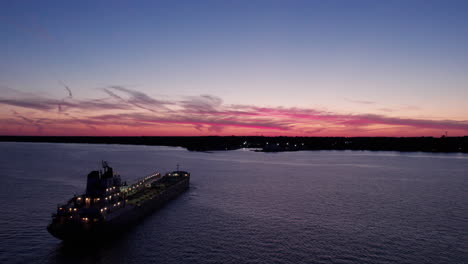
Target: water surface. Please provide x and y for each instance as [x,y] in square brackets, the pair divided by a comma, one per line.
[247,207]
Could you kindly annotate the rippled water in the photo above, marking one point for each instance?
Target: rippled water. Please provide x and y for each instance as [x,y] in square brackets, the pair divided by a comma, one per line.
[248,207]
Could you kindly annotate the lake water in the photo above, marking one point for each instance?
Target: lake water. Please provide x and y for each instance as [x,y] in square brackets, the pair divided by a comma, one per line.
[247,207]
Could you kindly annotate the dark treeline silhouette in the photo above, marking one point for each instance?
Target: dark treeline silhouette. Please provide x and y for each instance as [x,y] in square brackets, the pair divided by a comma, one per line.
[270,144]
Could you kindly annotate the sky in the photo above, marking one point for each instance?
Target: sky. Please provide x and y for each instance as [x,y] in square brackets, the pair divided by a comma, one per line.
[197,68]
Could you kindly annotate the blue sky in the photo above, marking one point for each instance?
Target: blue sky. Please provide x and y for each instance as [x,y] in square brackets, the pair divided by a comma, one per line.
[409,58]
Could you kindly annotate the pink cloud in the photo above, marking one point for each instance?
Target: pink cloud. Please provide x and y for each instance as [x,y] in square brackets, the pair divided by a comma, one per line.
[138,112]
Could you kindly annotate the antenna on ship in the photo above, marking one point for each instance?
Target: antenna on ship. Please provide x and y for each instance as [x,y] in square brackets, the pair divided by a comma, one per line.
[177,166]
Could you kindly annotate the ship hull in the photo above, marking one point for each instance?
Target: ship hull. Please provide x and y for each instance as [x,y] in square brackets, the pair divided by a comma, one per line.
[75,232]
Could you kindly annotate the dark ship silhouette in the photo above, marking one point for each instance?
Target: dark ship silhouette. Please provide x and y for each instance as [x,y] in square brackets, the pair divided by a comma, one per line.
[110,205]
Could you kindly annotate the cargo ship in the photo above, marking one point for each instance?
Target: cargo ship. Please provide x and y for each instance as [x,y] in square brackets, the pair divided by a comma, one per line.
[110,206]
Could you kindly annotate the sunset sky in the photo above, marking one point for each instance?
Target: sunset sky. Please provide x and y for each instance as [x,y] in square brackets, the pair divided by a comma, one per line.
[193,68]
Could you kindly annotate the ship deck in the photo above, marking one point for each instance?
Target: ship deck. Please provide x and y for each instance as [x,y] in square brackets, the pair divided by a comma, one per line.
[150,192]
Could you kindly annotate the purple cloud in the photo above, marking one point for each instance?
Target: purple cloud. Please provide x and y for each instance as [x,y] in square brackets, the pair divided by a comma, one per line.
[206,113]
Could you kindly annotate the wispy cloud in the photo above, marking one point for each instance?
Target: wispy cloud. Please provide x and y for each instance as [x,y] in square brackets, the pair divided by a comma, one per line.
[195,120]
[33,103]
[201,104]
[36,102]
[68,89]
[36,123]
[45,104]
[136,98]
[138,112]
[405,108]
[366,120]
[360,101]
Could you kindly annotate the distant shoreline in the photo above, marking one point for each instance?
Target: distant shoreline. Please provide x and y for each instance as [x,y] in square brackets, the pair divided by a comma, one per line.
[269,144]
